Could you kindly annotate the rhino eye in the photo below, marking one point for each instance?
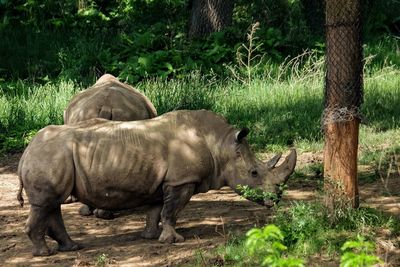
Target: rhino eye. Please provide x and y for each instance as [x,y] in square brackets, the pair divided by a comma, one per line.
[254,173]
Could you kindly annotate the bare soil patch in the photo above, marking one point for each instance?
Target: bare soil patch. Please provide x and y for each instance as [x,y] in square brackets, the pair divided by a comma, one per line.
[205,223]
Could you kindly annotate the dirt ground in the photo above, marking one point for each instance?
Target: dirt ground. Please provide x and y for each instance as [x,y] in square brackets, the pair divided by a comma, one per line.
[205,223]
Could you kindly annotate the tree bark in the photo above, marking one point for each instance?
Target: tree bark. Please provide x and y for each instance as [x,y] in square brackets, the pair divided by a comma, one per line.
[343,97]
[340,165]
[208,16]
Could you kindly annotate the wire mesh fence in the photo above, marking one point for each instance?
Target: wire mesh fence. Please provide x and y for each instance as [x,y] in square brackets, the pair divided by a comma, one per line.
[344,68]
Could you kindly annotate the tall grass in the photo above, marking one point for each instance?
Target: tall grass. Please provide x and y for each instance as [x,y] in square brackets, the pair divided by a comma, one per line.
[26,109]
[280,109]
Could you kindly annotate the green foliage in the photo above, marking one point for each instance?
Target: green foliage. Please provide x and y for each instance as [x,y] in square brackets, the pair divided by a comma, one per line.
[26,109]
[307,229]
[304,231]
[101,260]
[358,253]
[267,243]
[256,194]
[136,39]
[276,110]
[191,92]
[15,140]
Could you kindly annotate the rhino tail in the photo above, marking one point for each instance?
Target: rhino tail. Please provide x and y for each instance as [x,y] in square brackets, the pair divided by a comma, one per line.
[19,195]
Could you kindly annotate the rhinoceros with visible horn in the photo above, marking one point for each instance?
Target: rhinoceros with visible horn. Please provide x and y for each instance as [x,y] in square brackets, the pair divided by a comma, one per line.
[159,162]
[109,99]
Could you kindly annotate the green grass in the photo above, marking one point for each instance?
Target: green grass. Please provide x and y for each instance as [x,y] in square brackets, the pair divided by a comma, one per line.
[282,107]
[279,113]
[25,109]
[307,232]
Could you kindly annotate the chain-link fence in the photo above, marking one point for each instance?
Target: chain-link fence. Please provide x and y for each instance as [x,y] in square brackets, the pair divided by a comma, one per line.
[343,80]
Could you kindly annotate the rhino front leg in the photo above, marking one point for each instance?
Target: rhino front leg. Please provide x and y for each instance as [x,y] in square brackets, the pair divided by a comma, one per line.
[35,228]
[57,231]
[152,231]
[175,199]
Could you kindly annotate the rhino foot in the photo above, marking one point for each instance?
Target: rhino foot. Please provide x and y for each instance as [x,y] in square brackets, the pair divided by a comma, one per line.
[103,214]
[43,252]
[150,234]
[70,247]
[169,235]
[86,210]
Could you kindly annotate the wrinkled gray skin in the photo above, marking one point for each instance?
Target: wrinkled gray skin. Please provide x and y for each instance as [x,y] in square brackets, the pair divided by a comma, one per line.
[109,99]
[159,163]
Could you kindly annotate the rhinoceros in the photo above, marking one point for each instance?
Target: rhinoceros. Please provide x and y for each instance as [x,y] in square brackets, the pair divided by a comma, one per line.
[110,99]
[159,163]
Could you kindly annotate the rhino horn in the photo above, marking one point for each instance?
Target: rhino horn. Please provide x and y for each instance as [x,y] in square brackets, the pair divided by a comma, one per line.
[283,171]
[272,162]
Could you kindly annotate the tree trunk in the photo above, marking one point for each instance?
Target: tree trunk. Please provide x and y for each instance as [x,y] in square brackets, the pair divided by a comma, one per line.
[340,165]
[343,97]
[208,16]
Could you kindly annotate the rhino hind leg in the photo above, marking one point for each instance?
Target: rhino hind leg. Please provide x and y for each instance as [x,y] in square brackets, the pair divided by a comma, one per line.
[175,199]
[152,231]
[35,229]
[56,230]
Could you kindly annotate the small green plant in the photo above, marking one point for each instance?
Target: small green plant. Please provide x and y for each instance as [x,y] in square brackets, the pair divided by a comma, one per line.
[268,243]
[256,194]
[358,253]
[101,260]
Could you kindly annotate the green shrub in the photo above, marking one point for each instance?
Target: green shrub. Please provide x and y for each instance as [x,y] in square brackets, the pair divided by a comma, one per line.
[358,253]
[256,194]
[307,229]
[267,244]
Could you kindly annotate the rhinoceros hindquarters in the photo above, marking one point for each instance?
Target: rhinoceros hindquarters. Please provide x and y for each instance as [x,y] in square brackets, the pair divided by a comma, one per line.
[44,220]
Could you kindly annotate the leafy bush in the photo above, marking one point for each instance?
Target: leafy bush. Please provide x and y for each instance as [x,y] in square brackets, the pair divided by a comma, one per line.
[267,243]
[256,194]
[303,232]
[137,39]
[358,253]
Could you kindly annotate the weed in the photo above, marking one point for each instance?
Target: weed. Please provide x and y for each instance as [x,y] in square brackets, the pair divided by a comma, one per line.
[307,229]
[247,57]
[358,253]
[303,231]
[267,243]
[101,260]
[257,194]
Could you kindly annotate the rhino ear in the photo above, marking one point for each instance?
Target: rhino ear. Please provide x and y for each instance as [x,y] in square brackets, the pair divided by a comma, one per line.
[241,134]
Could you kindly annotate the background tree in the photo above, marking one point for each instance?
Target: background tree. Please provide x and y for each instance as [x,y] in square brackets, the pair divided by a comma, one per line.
[207,16]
